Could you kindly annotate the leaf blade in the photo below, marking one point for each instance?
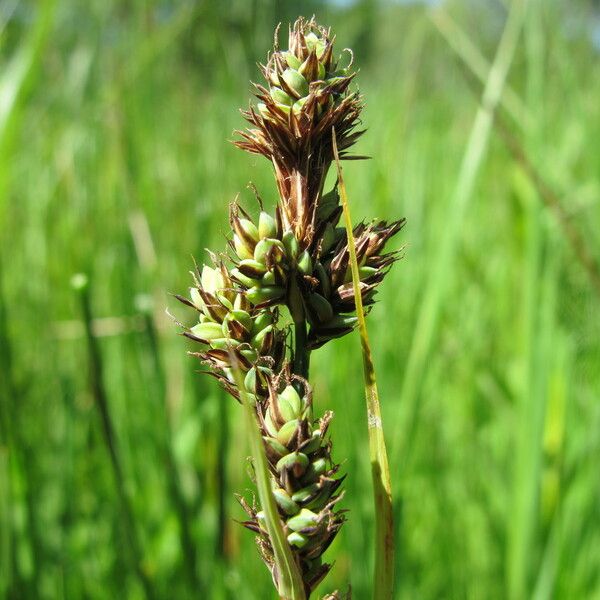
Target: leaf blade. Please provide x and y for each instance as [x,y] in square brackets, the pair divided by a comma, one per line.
[383,583]
[290,586]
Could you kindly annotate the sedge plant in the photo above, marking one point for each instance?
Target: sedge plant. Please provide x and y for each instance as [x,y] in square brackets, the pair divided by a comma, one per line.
[283,288]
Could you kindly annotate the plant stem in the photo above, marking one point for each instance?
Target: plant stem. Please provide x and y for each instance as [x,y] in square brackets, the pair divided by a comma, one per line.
[440,275]
[221,477]
[178,501]
[289,580]
[301,353]
[383,580]
[301,360]
[15,462]
[101,401]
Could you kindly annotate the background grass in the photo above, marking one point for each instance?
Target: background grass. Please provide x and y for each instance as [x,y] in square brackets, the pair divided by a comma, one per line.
[114,162]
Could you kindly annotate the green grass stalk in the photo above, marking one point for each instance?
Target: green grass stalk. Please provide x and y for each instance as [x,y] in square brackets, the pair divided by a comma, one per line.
[223,442]
[9,576]
[16,471]
[438,279]
[186,540]
[290,580]
[80,285]
[552,200]
[15,82]
[383,582]
[523,522]
[472,57]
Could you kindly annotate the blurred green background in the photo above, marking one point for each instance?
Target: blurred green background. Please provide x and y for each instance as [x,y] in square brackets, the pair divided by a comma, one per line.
[114,162]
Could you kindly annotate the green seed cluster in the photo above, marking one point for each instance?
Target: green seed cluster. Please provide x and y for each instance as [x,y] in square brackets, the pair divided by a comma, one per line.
[229,322]
[266,258]
[307,67]
[305,488]
[330,300]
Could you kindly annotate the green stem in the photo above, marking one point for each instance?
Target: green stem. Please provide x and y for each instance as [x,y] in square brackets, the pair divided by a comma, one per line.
[96,368]
[301,353]
[221,479]
[300,363]
[383,580]
[178,501]
[15,462]
[289,580]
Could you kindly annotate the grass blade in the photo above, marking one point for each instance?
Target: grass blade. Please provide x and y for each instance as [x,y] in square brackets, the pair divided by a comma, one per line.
[553,202]
[80,285]
[164,439]
[539,298]
[439,275]
[290,581]
[15,82]
[474,60]
[382,489]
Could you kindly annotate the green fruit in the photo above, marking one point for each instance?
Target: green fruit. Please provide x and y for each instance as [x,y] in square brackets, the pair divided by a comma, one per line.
[264,246]
[268,278]
[259,295]
[290,395]
[270,426]
[252,268]
[243,279]
[286,504]
[267,226]
[305,263]
[294,460]
[328,239]
[311,40]
[305,519]
[306,493]
[297,539]
[249,354]
[321,307]
[314,443]
[291,245]
[275,445]
[287,431]
[262,320]
[211,280]
[197,299]
[297,107]
[292,61]
[295,82]
[250,380]
[249,229]
[259,341]
[241,316]
[242,250]
[224,343]
[286,410]
[207,331]
[281,97]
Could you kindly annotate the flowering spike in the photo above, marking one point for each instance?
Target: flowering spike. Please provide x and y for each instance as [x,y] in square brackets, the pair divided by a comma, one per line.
[296,256]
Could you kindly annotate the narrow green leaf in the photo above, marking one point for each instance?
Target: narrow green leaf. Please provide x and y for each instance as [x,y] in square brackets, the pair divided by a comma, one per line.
[291,586]
[382,489]
[472,57]
[15,81]
[441,272]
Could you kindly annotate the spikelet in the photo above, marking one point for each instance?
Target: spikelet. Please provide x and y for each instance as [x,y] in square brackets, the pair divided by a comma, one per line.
[305,95]
[304,478]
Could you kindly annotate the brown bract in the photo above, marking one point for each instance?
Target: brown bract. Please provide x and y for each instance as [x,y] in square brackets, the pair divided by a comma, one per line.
[296,137]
